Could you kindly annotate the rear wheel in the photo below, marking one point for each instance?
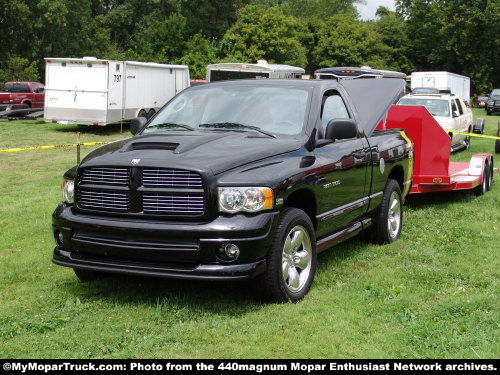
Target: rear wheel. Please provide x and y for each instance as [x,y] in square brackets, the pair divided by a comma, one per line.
[151,113]
[87,275]
[142,113]
[388,220]
[291,262]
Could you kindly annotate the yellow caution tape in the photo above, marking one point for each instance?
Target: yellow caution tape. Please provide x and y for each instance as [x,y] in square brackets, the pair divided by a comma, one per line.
[53,146]
[474,134]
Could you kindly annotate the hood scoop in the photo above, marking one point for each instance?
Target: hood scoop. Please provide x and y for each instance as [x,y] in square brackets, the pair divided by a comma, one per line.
[153,146]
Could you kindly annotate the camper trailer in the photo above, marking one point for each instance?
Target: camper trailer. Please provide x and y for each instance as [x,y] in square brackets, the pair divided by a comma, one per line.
[262,69]
[90,91]
[444,82]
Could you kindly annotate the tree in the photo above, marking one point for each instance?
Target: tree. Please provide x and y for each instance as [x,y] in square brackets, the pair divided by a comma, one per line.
[391,29]
[345,41]
[265,33]
[200,52]
[458,36]
[19,69]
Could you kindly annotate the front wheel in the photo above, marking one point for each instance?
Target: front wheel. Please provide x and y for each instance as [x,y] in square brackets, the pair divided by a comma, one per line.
[291,262]
[388,220]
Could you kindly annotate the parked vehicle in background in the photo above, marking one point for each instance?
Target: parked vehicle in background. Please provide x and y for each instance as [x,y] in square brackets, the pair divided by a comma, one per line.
[197,82]
[355,72]
[493,102]
[226,71]
[479,102]
[237,180]
[449,111]
[457,84]
[18,95]
[91,91]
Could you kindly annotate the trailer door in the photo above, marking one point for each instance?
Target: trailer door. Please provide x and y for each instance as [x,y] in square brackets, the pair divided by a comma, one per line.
[115,92]
[76,91]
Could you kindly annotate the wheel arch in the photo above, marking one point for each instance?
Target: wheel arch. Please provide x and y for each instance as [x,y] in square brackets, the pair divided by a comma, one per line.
[305,200]
[397,173]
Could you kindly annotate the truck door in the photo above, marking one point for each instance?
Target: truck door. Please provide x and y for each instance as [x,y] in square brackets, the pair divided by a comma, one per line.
[343,172]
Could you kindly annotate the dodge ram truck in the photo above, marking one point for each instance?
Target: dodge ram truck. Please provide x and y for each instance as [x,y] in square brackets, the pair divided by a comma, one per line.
[19,95]
[237,180]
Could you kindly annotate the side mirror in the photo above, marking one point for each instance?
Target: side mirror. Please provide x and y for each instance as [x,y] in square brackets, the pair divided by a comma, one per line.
[341,129]
[137,124]
[455,114]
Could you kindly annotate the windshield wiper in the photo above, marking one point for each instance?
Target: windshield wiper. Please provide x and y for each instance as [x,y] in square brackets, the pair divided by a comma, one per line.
[171,125]
[235,125]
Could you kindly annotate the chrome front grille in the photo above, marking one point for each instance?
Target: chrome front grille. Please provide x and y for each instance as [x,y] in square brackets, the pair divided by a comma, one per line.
[105,176]
[141,191]
[167,204]
[103,200]
[159,177]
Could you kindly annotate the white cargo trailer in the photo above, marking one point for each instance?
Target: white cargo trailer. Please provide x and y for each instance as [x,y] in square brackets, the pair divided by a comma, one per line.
[226,71]
[89,91]
[457,84]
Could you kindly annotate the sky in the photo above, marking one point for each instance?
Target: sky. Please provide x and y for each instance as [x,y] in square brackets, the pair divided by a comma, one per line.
[367,11]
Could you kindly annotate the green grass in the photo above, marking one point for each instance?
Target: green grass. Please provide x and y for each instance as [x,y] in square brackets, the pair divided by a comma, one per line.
[434,293]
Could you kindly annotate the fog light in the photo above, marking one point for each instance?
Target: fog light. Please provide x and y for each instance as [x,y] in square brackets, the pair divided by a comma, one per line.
[229,252]
[59,238]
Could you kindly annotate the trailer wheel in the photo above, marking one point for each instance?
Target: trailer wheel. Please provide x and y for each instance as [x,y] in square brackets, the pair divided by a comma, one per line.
[479,126]
[151,113]
[497,146]
[486,185]
[388,220]
[142,113]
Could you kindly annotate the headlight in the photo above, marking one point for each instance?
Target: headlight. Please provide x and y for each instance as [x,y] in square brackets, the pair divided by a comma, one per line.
[68,190]
[248,199]
[491,102]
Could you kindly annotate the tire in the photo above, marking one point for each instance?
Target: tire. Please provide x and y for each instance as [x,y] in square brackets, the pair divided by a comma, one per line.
[497,146]
[478,127]
[150,114]
[87,275]
[282,263]
[483,188]
[142,113]
[467,143]
[490,177]
[388,220]
[488,112]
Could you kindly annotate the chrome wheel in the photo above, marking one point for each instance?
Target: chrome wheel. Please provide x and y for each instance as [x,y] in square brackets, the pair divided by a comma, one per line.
[394,216]
[296,259]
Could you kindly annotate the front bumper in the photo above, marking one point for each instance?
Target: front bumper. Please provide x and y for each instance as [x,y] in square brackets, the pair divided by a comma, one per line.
[163,248]
[493,108]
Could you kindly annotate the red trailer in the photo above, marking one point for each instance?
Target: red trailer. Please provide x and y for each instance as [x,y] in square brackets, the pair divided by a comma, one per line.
[433,171]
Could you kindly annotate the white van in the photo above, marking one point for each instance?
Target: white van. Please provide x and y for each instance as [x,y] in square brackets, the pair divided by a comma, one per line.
[226,71]
[90,91]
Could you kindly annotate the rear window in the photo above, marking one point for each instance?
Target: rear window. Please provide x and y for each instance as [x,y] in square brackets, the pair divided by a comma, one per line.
[438,107]
[16,87]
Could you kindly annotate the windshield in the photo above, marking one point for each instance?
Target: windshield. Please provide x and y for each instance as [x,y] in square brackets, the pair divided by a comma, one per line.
[16,87]
[495,92]
[438,107]
[277,110]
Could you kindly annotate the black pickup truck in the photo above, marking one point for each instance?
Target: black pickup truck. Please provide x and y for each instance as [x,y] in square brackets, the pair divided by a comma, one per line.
[237,180]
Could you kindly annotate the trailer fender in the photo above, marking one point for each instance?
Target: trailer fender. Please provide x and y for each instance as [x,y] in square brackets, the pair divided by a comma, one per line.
[477,165]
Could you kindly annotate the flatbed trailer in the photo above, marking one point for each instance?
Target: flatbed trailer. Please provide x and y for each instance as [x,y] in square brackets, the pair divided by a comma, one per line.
[433,171]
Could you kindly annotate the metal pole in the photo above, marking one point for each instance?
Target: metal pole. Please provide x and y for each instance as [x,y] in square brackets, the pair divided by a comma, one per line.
[78,136]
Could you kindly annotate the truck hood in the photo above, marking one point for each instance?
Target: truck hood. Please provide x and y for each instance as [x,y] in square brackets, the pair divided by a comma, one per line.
[204,151]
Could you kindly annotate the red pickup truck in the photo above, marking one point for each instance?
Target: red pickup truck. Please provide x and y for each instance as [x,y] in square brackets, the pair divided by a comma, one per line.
[18,95]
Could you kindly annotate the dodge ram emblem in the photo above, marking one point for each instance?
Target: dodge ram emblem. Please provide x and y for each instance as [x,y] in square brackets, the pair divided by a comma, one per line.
[135,161]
